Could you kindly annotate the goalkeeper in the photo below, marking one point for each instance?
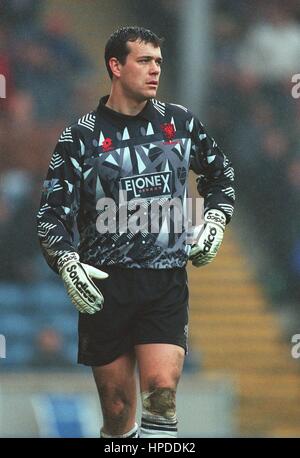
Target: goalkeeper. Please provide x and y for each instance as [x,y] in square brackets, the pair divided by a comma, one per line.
[130,287]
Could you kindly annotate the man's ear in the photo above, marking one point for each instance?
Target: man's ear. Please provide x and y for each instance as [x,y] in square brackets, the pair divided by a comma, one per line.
[115,66]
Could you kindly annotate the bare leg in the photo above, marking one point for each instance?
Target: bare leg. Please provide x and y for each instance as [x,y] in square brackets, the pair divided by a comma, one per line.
[160,367]
[116,384]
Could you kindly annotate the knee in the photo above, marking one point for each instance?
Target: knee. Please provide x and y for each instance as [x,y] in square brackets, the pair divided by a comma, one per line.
[159,417]
[160,401]
[116,405]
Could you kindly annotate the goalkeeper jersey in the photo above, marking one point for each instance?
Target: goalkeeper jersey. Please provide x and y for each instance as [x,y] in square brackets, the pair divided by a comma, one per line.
[109,169]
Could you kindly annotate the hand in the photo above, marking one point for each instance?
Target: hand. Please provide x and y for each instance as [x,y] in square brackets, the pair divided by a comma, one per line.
[204,250]
[77,279]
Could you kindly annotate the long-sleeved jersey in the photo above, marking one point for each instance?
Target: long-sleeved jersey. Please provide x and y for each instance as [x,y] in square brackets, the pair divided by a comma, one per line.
[146,158]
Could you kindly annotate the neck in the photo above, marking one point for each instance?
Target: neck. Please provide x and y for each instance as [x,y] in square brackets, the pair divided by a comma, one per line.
[124,104]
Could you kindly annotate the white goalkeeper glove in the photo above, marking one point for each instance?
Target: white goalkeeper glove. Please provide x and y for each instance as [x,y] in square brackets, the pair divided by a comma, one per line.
[83,292]
[210,237]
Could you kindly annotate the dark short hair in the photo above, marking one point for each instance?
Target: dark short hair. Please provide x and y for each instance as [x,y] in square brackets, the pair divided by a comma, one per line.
[116,45]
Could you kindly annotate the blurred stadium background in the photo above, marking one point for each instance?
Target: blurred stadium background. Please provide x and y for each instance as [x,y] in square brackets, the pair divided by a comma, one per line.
[231,62]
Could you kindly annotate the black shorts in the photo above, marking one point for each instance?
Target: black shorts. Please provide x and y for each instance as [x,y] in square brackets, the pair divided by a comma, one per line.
[141,306]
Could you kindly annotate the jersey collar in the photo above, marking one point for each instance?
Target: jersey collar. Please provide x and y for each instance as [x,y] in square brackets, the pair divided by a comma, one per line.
[146,113]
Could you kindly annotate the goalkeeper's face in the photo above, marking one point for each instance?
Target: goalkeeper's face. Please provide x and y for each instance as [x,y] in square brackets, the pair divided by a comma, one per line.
[140,73]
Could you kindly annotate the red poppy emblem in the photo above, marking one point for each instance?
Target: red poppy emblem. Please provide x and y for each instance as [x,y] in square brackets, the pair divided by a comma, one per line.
[168,130]
[107,144]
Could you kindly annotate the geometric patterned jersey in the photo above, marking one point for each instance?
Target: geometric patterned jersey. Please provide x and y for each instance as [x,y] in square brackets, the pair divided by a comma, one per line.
[124,181]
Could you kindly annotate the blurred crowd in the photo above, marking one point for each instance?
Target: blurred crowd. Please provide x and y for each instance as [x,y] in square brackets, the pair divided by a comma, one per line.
[251,111]
[255,115]
[46,76]
[47,81]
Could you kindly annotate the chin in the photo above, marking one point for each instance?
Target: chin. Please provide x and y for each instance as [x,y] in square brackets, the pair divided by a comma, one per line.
[144,97]
[151,94]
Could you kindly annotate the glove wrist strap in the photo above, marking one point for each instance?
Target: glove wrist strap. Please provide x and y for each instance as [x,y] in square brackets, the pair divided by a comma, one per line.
[65,259]
[217,217]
